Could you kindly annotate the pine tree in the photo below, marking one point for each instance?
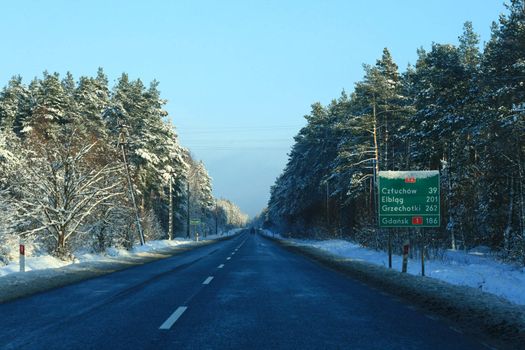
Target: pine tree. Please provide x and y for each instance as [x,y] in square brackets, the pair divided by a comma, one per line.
[502,137]
[199,198]
[15,105]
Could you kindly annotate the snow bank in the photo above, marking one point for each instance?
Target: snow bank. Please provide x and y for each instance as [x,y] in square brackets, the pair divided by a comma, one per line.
[42,262]
[34,263]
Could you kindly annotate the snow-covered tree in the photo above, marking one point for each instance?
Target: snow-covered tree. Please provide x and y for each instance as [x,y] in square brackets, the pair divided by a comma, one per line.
[501,136]
[16,103]
[9,159]
[199,198]
[64,147]
[152,146]
[229,215]
[62,187]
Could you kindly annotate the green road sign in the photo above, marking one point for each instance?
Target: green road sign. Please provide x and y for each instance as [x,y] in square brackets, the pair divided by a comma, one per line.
[195,222]
[409,199]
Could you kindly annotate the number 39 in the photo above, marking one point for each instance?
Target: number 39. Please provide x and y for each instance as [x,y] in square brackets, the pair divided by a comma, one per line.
[432,190]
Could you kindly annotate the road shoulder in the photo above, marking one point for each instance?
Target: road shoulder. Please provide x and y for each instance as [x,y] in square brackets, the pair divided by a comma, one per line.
[19,285]
[494,318]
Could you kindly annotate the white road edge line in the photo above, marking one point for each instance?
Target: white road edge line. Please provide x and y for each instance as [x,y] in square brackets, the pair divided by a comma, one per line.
[488,346]
[173,318]
[430,317]
[456,330]
[220,266]
[207,280]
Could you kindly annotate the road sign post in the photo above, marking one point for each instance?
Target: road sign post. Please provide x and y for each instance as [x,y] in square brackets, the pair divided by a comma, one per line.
[195,223]
[22,257]
[423,261]
[389,249]
[406,247]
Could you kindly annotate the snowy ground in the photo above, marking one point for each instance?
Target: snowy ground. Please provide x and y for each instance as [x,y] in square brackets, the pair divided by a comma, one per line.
[474,268]
[44,262]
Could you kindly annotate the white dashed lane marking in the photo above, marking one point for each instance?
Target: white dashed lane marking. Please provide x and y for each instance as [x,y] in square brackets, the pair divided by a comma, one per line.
[430,317]
[488,346]
[207,280]
[220,266]
[173,318]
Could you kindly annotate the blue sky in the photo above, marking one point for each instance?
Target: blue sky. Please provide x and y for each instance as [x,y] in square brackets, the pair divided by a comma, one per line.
[238,75]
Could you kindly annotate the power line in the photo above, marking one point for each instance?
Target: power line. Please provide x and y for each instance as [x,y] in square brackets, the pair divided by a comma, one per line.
[230,140]
[237,148]
[237,128]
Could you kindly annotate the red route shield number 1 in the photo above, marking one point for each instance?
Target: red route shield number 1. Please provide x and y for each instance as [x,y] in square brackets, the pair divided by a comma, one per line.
[417,220]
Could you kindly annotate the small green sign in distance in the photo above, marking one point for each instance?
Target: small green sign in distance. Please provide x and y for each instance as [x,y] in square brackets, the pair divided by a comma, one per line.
[409,199]
[195,222]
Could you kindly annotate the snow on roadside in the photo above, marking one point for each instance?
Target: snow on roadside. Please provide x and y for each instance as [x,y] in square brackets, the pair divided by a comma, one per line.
[474,268]
[43,262]
[33,263]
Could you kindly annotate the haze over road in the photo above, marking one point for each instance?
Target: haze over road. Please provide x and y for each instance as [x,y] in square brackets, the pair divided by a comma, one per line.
[243,293]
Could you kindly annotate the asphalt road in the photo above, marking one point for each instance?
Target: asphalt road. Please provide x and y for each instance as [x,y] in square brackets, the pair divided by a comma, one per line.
[242,293]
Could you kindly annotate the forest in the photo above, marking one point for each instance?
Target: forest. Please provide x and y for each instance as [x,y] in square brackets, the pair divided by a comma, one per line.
[86,166]
[460,110]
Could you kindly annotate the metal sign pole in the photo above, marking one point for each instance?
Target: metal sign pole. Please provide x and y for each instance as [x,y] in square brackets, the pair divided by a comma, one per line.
[422,253]
[406,247]
[390,248]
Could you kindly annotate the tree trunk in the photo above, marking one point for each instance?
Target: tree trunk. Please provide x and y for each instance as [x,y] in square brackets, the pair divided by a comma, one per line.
[521,203]
[188,211]
[508,227]
[170,214]
[451,222]
[61,243]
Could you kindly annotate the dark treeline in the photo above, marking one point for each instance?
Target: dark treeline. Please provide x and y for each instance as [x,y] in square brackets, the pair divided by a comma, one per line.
[459,110]
[64,145]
